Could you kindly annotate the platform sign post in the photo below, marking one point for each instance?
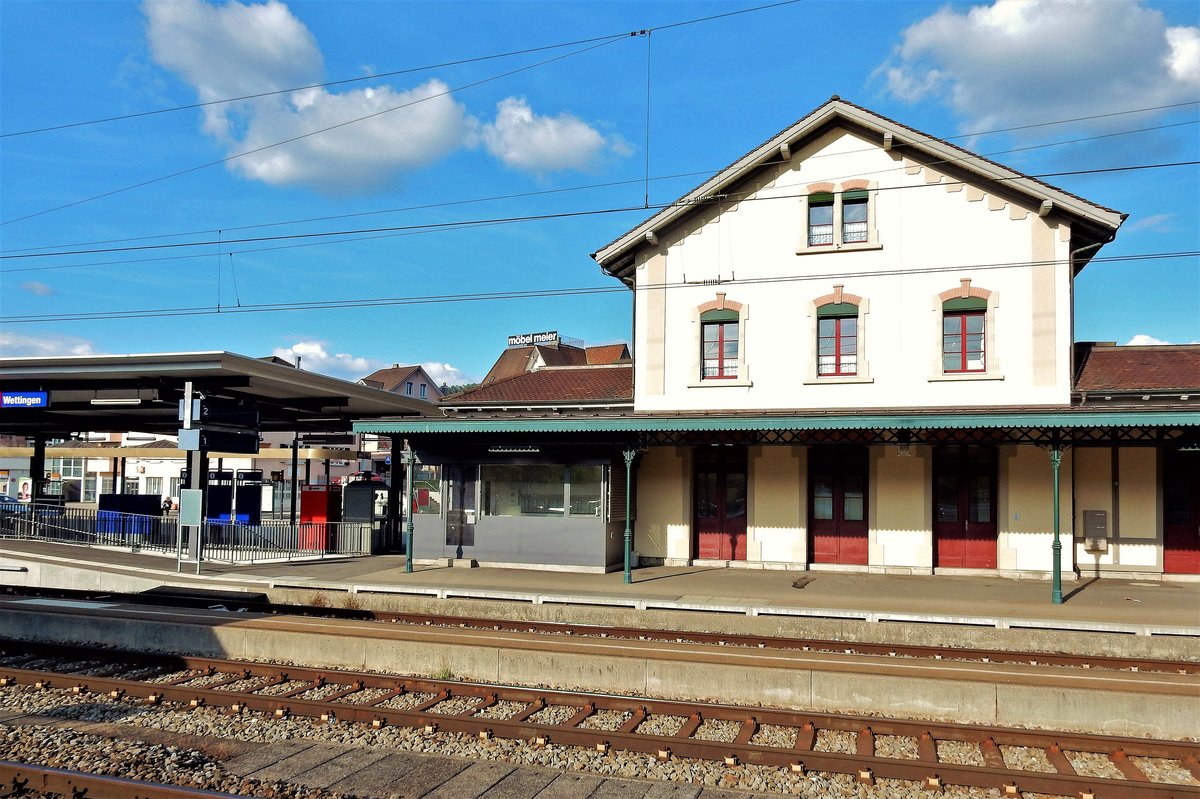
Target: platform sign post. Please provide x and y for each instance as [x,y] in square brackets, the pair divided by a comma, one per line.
[409,460]
[629,454]
[1056,580]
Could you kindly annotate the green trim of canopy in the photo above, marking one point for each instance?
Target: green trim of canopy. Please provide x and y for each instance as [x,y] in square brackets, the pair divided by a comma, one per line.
[678,423]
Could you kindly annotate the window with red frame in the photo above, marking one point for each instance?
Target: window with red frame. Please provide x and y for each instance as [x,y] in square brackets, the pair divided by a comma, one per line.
[719,345]
[837,340]
[963,336]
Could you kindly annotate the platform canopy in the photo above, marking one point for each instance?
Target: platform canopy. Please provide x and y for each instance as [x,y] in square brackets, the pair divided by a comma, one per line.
[122,393]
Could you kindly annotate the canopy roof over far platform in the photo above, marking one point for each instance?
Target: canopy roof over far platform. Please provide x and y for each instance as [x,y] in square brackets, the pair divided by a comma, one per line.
[121,393]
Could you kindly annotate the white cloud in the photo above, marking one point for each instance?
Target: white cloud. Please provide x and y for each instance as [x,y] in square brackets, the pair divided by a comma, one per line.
[1156,223]
[315,358]
[238,49]
[447,374]
[15,345]
[523,140]
[38,287]
[1025,61]
[1145,340]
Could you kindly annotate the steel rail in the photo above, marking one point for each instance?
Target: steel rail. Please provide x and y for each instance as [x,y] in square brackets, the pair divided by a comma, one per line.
[17,779]
[927,769]
[1095,662]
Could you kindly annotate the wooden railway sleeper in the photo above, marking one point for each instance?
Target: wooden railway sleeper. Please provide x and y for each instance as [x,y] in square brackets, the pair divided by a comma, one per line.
[1059,760]
[806,737]
[927,748]
[1127,767]
[746,732]
[438,698]
[534,707]
[634,721]
[865,743]
[690,726]
[581,716]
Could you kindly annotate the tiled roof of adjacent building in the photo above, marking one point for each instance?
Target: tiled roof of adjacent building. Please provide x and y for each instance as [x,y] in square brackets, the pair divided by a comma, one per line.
[1108,368]
[517,360]
[566,385]
[388,379]
[607,353]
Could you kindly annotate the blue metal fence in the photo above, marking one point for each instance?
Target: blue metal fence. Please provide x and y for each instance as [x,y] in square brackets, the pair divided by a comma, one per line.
[222,542]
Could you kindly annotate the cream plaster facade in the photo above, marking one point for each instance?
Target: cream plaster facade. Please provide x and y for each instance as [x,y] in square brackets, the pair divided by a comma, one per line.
[935,232]
[928,229]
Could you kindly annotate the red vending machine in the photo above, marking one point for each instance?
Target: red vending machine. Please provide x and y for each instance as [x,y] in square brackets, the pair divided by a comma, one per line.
[320,511]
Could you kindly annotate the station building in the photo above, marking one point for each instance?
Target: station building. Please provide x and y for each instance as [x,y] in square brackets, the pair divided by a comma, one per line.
[853,350]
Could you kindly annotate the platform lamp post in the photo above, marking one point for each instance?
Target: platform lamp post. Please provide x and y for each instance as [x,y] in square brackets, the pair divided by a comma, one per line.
[1056,579]
[409,459]
[629,454]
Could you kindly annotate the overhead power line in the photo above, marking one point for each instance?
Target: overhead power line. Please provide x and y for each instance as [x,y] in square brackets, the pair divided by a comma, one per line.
[613,184]
[303,136]
[392,73]
[544,217]
[433,299]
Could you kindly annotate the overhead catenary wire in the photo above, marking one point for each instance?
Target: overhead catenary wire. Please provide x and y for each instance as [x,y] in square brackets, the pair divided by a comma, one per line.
[560,215]
[393,73]
[369,302]
[612,184]
[598,44]
[302,136]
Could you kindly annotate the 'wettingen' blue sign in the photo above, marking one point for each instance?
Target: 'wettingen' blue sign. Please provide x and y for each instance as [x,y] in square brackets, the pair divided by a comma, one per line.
[24,399]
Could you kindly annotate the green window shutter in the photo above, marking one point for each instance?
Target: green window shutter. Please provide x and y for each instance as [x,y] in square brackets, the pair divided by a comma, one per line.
[965,304]
[719,316]
[855,194]
[838,309]
[816,199]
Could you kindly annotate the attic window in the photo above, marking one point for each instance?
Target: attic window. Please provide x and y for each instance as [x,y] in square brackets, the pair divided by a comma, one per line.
[854,217]
[820,220]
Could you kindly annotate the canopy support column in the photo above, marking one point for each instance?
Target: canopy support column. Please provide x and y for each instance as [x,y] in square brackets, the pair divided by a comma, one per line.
[1056,590]
[629,454]
[409,462]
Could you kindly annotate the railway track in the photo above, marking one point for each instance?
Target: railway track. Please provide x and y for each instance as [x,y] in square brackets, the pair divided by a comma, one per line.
[21,779]
[1097,662]
[1012,761]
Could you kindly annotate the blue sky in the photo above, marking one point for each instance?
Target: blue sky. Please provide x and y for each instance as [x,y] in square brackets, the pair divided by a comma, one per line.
[543,130]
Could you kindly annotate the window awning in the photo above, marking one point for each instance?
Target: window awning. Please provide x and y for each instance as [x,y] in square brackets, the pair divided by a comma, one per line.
[683,423]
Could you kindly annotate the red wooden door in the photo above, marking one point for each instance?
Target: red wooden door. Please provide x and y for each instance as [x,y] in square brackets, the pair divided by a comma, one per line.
[1181,512]
[964,507]
[837,504]
[719,517]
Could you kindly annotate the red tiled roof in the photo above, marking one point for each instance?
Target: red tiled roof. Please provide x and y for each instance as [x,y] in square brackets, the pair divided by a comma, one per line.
[389,378]
[1166,367]
[517,360]
[607,353]
[566,385]
[562,355]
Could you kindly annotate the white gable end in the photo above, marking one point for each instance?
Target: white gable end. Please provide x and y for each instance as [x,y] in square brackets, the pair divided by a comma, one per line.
[923,232]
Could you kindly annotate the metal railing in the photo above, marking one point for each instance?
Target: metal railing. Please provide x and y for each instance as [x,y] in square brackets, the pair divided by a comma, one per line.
[222,542]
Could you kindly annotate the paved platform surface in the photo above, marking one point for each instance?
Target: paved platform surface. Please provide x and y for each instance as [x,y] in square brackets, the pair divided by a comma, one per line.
[1133,606]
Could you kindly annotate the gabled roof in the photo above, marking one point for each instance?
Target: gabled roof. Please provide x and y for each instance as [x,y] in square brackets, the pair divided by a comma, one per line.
[391,377]
[518,360]
[607,353]
[562,385]
[1158,368]
[616,257]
